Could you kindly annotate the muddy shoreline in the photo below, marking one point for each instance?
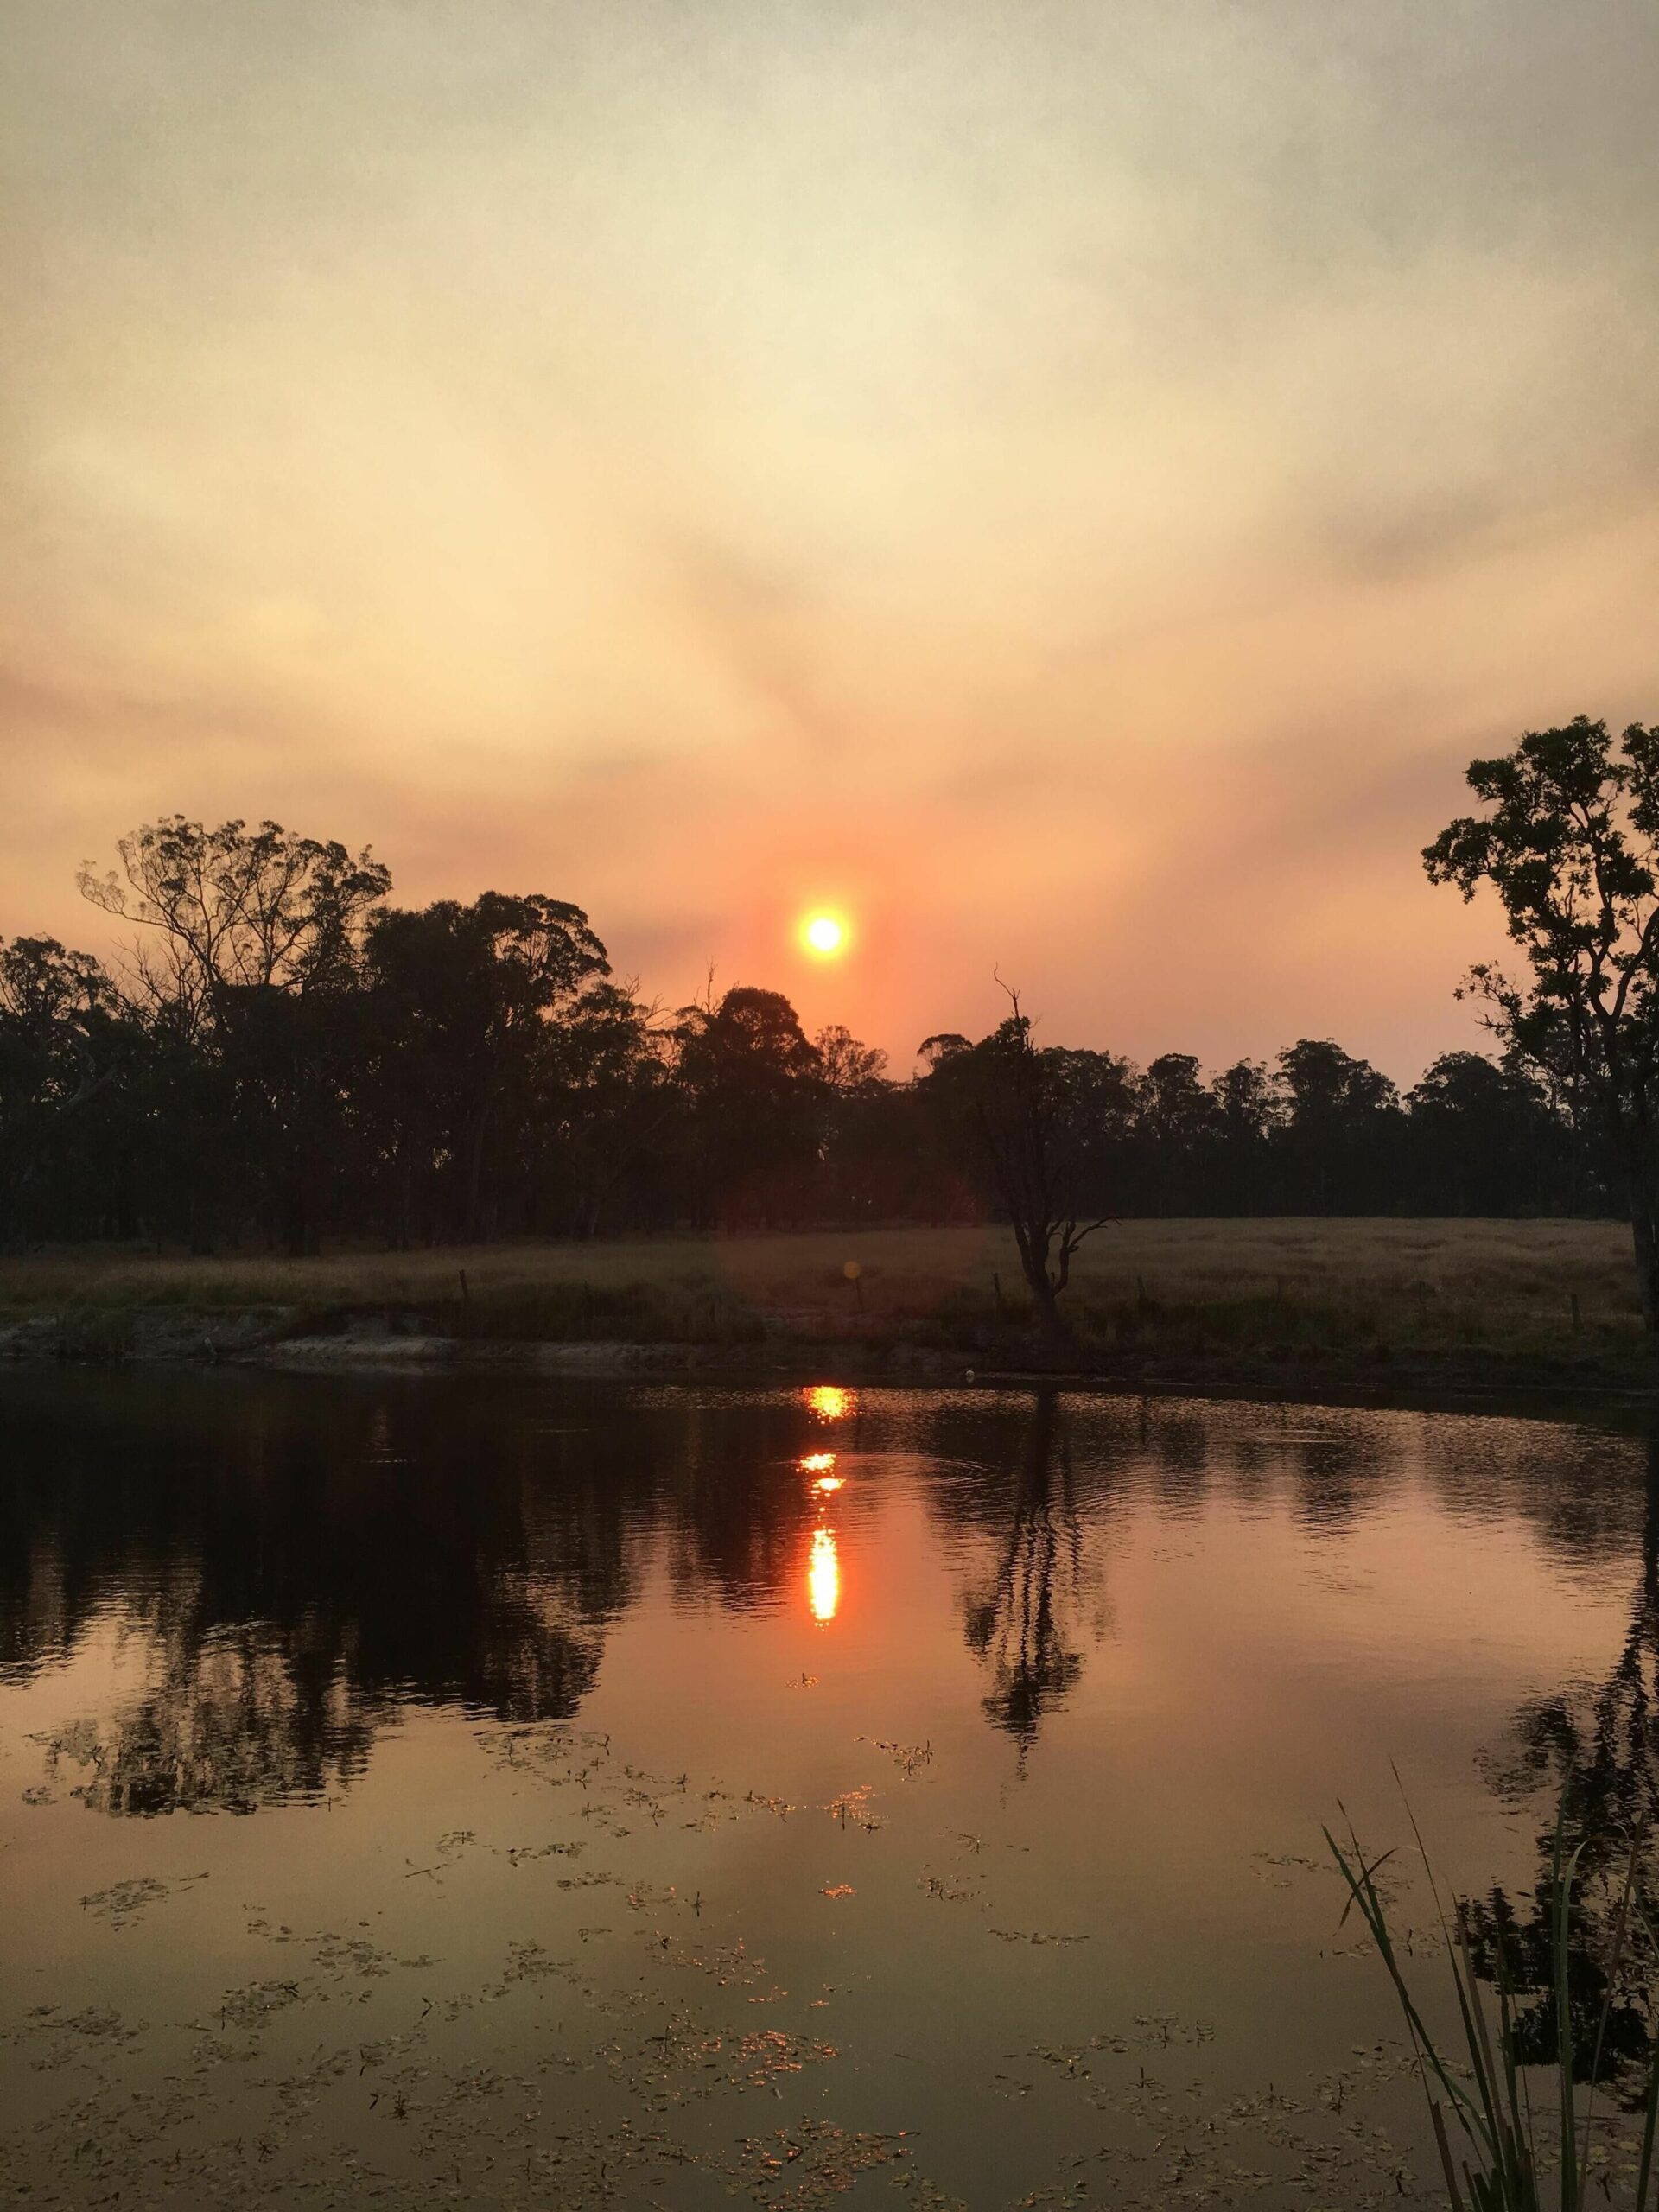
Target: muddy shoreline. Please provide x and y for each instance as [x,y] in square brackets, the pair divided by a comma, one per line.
[1467,1381]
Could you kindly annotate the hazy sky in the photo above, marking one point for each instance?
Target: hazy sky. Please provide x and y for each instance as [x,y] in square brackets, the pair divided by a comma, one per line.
[1070,484]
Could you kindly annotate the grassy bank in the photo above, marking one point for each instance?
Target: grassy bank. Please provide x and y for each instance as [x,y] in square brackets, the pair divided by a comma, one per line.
[1554,1289]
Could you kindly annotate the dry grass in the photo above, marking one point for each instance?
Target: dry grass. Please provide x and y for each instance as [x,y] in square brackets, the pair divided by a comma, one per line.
[1335,1283]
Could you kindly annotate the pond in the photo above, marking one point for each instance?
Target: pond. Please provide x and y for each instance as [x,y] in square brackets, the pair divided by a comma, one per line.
[487,1791]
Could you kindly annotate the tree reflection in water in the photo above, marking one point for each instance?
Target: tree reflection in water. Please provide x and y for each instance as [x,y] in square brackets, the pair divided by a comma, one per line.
[296,1565]
[1020,1622]
[1598,1754]
[1604,1746]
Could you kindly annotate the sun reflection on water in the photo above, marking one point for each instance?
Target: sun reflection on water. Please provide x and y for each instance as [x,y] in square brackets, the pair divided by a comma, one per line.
[829,1401]
[823,1577]
[823,1562]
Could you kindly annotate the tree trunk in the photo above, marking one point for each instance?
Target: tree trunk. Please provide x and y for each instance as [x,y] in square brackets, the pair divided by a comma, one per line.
[1050,1325]
[294,1223]
[472,1198]
[403,1205]
[200,1223]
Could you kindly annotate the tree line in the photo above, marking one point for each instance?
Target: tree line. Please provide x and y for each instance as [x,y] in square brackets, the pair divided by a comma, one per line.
[286,1057]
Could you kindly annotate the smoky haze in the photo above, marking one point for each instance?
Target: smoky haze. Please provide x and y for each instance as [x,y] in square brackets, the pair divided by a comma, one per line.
[1069,487]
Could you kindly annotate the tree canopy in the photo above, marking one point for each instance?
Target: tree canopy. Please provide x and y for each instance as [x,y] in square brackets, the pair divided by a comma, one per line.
[1568,843]
[284,1055]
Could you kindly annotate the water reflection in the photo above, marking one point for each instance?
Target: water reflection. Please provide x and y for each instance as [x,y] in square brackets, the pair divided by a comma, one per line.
[1602,1741]
[823,1577]
[294,1564]
[1592,1751]
[801,1648]
[823,1562]
[1022,1622]
[287,1565]
[829,1401]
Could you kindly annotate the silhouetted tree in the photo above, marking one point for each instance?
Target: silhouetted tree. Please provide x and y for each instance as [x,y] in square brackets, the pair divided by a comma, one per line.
[236,913]
[847,1067]
[284,1054]
[250,963]
[62,1043]
[1568,843]
[1341,1123]
[1248,1110]
[465,996]
[1020,1115]
[755,1087]
[1180,1124]
[606,1105]
[1104,1164]
[1484,1140]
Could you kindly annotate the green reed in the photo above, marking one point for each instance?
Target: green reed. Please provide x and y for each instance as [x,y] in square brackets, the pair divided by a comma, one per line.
[1487,2128]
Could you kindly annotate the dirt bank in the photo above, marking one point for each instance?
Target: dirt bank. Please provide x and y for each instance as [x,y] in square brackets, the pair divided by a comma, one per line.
[1596,1382]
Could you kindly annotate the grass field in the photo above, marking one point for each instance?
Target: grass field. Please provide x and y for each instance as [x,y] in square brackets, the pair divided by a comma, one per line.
[1332,1283]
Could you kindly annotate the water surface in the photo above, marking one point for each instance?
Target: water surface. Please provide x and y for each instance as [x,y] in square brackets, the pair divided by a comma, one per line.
[486,1792]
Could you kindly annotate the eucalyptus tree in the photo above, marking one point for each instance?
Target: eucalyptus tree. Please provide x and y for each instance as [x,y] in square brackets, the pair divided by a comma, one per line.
[246,965]
[1341,1129]
[849,1068]
[1179,1123]
[462,1000]
[1249,1109]
[606,1105]
[755,1088]
[868,1126]
[1569,840]
[1484,1140]
[231,913]
[63,1042]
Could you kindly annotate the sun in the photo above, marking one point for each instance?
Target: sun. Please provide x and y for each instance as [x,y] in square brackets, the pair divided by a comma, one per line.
[825,935]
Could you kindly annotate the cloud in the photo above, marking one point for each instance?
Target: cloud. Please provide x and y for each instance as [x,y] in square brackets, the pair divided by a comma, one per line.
[1071,484]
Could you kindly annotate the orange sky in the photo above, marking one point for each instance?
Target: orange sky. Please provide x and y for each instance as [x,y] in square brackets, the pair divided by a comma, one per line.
[1068,483]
